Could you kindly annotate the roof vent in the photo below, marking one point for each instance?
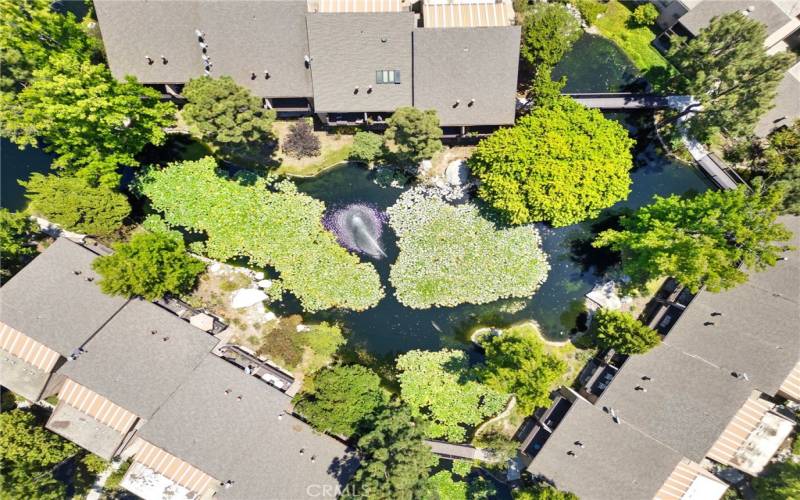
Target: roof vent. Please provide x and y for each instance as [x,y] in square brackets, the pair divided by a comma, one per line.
[89,279]
[458,101]
[741,376]
[369,89]
[253,75]
[149,59]
[578,444]
[76,353]
[715,313]
[227,391]
[313,458]
[639,388]
[647,377]
[164,339]
[153,332]
[227,484]
[280,416]
[355,90]
[164,59]
[302,451]
[471,102]
[199,33]
[239,397]
[76,272]
[570,453]
[266,74]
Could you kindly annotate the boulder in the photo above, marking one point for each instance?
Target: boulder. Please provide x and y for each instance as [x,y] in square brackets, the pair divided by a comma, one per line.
[202,321]
[246,297]
[456,173]
[264,284]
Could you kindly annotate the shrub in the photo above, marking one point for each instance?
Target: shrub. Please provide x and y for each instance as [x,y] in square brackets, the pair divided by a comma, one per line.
[778,481]
[562,163]
[268,223]
[301,141]
[149,266]
[339,399]
[645,14]
[450,255]
[367,147]
[226,113]
[590,9]
[623,333]
[416,134]
[75,205]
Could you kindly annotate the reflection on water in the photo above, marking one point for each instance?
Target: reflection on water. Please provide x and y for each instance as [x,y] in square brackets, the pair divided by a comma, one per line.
[595,64]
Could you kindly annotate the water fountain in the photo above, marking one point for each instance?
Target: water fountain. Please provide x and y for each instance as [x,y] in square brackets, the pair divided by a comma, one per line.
[358,227]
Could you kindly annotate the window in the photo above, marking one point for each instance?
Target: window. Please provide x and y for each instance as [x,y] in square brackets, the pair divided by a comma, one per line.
[387,76]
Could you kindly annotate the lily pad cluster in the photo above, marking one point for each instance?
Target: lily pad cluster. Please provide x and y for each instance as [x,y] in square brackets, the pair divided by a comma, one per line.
[271,224]
[451,254]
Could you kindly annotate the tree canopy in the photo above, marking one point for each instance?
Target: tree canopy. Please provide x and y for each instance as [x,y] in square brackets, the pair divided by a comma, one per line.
[542,492]
[93,122]
[76,205]
[31,32]
[16,232]
[622,332]
[340,398]
[700,240]
[367,147]
[726,68]
[548,33]
[416,134]
[450,255]
[645,14]
[776,161]
[516,362]
[28,455]
[440,389]
[149,266]
[269,224]
[779,481]
[226,113]
[562,163]
[395,463]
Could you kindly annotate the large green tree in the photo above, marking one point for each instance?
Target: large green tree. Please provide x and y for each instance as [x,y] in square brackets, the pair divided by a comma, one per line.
[150,266]
[16,249]
[440,388]
[226,113]
[451,254]
[548,33]
[416,134]
[779,481]
[395,463]
[93,122]
[776,161]
[273,225]
[700,240]
[29,455]
[339,399]
[31,32]
[562,163]
[726,69]
[542,492]
[76,205]
[517,363]
[622,332]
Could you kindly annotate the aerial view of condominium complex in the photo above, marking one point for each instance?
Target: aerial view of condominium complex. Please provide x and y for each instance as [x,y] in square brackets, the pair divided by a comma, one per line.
[400,249]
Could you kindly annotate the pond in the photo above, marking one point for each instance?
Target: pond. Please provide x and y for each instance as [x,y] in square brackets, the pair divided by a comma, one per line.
[18,164]
[391,327]
[596,64]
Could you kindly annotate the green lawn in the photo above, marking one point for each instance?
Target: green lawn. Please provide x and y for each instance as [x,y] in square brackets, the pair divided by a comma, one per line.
[326,161]
[635,42]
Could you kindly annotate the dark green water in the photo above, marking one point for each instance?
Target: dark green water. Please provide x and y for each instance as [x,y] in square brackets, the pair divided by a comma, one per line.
[595,64]
[18,164]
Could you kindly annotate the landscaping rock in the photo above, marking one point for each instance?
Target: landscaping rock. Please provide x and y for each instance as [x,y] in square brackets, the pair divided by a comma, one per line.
[456,173]
[202,321]
[246,297]
[258,275]
[264,284]
[303,328]
[270,316]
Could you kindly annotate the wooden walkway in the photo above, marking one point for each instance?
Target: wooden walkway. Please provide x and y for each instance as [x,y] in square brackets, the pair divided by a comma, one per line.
[456,451]
[625,100]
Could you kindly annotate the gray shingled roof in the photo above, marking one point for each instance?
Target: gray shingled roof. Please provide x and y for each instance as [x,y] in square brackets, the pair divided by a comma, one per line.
[765,11]
[758,331]
[463,64]
[786,109]
[686,405]
[135,368]
[243,440]
[243,36]
[49,303]
[347,50]
[616,461]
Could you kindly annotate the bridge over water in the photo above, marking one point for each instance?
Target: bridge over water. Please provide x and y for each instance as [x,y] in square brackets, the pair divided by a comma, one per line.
[629,100]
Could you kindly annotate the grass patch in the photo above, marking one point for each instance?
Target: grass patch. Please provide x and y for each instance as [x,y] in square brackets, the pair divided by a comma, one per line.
[616,25]
[325,161]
